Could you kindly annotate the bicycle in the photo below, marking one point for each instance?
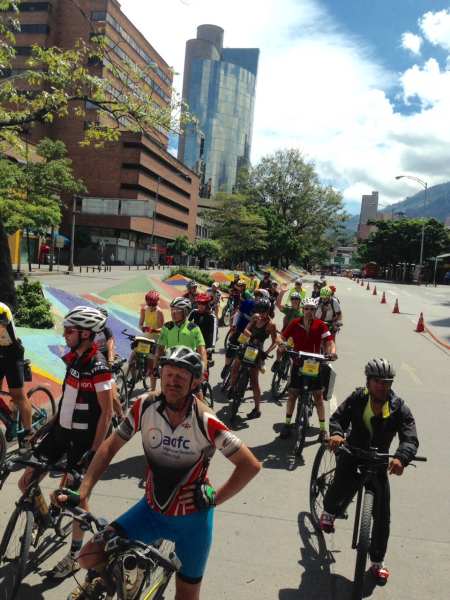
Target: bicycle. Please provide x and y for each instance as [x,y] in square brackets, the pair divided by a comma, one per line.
[142,348]
[310,369]
[32,517]
[133,569]
[248,354]
[280,379]
[121,385]
[369,463]
[42,406]
[227,312]
[208,394]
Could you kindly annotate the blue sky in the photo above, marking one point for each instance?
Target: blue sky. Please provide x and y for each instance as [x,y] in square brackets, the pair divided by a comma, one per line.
[361,87]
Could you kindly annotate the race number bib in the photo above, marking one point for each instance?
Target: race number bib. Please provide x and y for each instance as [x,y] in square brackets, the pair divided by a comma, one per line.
[143,348]
[251,354]
[310,368]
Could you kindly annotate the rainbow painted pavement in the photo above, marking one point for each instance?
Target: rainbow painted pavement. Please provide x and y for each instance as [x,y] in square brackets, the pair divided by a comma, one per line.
[123,301]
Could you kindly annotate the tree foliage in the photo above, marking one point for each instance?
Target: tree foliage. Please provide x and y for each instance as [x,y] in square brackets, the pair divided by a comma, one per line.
[180,245]
[398,241]
[33,310]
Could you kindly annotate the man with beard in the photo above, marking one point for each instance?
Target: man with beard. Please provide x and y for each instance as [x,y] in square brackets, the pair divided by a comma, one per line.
[375,414]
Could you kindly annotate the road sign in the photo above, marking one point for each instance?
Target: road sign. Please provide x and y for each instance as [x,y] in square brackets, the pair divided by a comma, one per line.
[59,242]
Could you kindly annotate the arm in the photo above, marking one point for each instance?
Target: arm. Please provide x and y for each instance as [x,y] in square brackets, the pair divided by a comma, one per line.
[341,418]
[110,350]
[160,321]
[104,455]
[247,331]
[141,318]
[407,434]
[330,346]
[105,401]
[202,351]
[280,298]
[246,466]
[274,338]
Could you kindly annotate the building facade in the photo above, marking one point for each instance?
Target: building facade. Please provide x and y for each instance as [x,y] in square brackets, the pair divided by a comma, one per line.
[219,87]
[139,197]
[369,212]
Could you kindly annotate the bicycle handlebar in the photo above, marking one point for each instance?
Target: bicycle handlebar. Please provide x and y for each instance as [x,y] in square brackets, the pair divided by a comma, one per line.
[130,336]
[372,454]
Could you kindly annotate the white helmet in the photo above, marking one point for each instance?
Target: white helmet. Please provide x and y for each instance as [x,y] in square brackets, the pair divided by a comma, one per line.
[310,302]
[85,317]
[262,292]
[298,280]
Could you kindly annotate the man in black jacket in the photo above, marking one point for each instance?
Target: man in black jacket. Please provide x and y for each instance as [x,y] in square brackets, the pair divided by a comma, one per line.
[376,414]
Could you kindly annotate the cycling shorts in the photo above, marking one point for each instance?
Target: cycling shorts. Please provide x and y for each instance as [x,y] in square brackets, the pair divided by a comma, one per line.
[59,442]
[296,381]
[192,535]
[12,369]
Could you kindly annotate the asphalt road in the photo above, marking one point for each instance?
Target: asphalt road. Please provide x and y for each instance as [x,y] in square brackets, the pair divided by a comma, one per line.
[264,544]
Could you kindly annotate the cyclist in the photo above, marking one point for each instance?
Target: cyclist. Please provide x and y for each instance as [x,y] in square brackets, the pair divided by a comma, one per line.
[205,319]
[375,415]
[179,500]
[253,282]
[266,281]
[309,335]
[291,310]
[11,367]
[180,331]
[191,292]
[216,294]
[273,295]
[151,321]
[84,412]
[316,290]
[329,310]
[240,321]
[298,288]
[257,331]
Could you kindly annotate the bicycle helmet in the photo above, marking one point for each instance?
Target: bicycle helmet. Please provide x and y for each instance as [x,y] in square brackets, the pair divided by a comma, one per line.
[215,285]
[152,298]
[185,358]
[262,293]
[241,282]
[181,303]
[191,285]
[85,317]
[203,298]
[298,281]
[380,368]
[310,302]
[262,305]
[295,296]
[326,292]
[103,311]
[333,288]
[5,314]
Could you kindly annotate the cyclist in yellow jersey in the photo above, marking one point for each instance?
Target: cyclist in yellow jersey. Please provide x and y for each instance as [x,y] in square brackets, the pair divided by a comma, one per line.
[150,322]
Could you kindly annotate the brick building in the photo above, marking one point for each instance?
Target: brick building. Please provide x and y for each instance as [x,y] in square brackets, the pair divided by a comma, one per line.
[139,196]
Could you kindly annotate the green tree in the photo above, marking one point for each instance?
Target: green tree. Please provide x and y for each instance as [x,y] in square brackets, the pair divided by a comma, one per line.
[180,246]
[241,232]
[206,249]
[398,241]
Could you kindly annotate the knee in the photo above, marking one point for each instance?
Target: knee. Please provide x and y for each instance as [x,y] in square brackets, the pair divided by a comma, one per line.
[92,554]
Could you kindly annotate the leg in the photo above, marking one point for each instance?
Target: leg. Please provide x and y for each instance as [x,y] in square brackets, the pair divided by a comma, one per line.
[381,520]
[320,406]
[290,407]
[343,487]
[151,371]
[186,591]
[254,379]
[27,477]
[24,406]
[234,371]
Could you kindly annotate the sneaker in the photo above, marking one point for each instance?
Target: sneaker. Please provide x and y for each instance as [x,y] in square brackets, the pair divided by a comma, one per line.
[88,589]
[275,366]
[379,572]
[326,522]
[286,431]
[254,414]
[323,436]
[66,566]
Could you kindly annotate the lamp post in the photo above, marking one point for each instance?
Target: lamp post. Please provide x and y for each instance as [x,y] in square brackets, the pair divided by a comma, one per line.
[72,233]
[424,184]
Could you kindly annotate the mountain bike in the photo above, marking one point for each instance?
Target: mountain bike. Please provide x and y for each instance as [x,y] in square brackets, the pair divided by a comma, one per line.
[208,394]
[309,368]
[42,407]
[280,379]
[133,569]
[120,379]
[227,312]
[369,464]
[32,517]
[142,350]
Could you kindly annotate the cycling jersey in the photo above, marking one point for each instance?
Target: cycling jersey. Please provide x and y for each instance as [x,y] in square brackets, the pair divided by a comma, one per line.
[327,312]
[86,376]
[307,341]
[208,326]
[177,458]
[187,334]
[302,293]
[11,357]
[243,316]
[101,339]
[265,284]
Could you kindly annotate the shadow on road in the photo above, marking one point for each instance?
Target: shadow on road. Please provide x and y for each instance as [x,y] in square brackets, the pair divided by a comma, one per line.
[129,468]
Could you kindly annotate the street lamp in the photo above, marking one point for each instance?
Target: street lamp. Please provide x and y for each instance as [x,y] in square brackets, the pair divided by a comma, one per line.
[424,184]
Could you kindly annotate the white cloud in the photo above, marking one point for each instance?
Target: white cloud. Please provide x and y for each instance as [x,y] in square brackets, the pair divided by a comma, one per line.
[319,90]
[435,27]
[412,42]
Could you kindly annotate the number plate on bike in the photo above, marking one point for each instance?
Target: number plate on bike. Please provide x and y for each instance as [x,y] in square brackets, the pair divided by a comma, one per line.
[251,354]
[143,348]
[310,368]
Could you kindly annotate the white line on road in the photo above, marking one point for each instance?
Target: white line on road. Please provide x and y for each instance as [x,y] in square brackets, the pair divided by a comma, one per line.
[412,373]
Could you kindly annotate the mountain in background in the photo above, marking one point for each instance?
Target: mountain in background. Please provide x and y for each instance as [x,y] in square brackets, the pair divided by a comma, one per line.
[437,206]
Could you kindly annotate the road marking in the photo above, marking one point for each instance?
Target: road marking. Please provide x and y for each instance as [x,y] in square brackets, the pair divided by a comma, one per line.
[412,373]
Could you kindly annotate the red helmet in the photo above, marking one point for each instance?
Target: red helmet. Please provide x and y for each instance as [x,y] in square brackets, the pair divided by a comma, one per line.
[203,298]
[333,288]
[152,298]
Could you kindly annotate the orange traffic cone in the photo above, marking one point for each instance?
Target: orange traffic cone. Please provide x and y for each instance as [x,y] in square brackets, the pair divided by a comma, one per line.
[362,283]
[383,299]
[374,293]
[396,310]
[368,286]
[357,281]
[420,324]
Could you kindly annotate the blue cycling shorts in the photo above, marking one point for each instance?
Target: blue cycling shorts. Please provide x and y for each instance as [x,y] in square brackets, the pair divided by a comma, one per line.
[192,535]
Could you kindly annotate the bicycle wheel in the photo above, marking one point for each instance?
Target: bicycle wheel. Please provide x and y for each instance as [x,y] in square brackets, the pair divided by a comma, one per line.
[122,390]
[15,545]
[227,337]
[362,548]
[227,378]
[226,316]
[42,405]
[239,392]
[208,394]
[301,424]
[322,475]
[280,379]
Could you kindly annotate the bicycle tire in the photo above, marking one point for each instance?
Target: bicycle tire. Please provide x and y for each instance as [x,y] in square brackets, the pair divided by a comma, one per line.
[208,394]
[239,392]
[36,408]
[322,475]
[225,341]
[301,424]
[280,380]
[159,573]
[3,447]
[362,547]
[21,559]
[226,316]
[122,390]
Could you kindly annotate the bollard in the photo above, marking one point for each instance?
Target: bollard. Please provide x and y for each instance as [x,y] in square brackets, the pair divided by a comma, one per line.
[396,310]
[368,286]
[420,324]
[383,299]
[374,293]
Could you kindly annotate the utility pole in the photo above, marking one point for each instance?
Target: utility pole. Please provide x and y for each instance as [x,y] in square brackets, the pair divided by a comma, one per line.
[72,234]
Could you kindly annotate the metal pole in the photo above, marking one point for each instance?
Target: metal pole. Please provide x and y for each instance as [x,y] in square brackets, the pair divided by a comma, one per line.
[72,234]
[423,224]
[435,269]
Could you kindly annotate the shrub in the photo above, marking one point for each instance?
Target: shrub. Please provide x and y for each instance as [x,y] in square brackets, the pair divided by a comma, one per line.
[199,276]
[33,310]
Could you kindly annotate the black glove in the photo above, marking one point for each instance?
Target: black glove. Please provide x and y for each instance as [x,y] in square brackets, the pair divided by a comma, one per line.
[204,496]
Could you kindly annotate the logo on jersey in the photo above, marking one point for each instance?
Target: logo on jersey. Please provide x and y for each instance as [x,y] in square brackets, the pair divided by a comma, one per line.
[157,439]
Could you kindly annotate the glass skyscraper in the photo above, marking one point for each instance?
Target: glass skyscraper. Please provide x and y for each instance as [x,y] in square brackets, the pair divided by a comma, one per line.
[219,87]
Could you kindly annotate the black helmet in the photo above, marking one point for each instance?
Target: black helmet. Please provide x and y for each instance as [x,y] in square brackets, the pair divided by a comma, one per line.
[185,358]
[262,305]
[380,368]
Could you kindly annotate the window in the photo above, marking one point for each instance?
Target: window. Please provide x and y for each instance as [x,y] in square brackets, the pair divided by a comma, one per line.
[174,222]
[34,28]
[98,15]
[34,6]
[156,177]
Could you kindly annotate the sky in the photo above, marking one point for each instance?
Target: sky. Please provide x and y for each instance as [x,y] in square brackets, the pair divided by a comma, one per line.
[361,87]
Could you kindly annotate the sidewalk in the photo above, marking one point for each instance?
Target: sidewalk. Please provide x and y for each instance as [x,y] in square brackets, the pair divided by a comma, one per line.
[44,270]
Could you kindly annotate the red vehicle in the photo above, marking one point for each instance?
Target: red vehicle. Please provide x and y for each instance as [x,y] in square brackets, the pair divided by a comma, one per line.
[370,270]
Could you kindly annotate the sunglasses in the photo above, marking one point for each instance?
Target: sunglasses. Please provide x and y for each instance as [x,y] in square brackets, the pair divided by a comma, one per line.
[308,308]
[69,330]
